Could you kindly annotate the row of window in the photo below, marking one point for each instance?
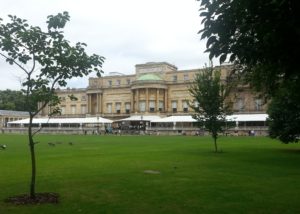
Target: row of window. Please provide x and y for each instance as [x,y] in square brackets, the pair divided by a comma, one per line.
[118,82]
[185,77]
[142,106]
[118,108]
[73,110]
[239,105]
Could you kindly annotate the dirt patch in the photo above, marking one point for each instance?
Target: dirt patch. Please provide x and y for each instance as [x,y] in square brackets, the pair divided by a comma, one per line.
[40,198]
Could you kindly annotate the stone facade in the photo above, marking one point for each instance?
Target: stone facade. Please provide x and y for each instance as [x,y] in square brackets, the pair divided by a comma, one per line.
[155,89]
[69,107]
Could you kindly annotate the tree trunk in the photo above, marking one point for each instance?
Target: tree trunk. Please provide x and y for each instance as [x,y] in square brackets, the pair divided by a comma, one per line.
[33,164]
[216,146]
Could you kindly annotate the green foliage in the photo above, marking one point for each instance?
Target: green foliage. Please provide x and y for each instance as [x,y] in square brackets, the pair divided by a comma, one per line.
[210,94]
[261,38]
[252,32]
[12,100]
[284,114]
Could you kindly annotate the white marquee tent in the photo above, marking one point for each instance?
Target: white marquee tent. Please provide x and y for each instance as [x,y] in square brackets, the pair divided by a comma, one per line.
[188,123]
[235,118]
[141,118]
[87,120]
[172,119]
[247,117]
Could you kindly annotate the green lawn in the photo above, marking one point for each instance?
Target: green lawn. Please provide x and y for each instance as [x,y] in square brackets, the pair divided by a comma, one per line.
[105,174]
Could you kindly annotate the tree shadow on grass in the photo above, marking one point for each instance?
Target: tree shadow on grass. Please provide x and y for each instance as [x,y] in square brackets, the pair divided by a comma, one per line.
[289,151]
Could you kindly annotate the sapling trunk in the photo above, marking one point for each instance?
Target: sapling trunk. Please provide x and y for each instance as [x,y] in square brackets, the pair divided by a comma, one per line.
[33,164]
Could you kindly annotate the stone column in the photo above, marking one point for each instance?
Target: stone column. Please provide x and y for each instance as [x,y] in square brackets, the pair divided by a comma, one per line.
[89,103]
[147,99]
[97,105]
[157,100]
[101,103]
[166,100]
[137,100]
[132,101]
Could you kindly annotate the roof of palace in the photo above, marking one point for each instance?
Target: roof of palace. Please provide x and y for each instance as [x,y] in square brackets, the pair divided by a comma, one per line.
[14,113]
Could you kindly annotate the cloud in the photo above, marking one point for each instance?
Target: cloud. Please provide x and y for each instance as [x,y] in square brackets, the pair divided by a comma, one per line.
[126,33]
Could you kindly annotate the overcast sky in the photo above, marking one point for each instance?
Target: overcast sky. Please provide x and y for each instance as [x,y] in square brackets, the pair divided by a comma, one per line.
[125,32]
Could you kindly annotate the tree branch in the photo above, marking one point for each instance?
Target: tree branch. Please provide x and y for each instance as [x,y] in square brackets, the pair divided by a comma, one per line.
[51,88]
[14,61]
[33,66]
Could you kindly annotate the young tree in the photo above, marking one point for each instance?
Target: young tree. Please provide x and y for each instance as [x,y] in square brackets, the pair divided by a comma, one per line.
[210,94]
[48,60]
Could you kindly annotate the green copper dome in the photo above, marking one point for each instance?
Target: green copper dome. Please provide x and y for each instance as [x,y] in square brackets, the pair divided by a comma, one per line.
[149,77]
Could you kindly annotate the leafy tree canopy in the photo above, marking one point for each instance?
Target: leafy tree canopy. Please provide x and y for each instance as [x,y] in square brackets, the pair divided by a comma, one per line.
[284,113]
[254,33]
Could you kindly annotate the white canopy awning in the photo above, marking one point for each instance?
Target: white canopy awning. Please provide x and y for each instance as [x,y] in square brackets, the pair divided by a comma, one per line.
[91,120]
[141,118]
[172,119]
[235,117]
[247,117]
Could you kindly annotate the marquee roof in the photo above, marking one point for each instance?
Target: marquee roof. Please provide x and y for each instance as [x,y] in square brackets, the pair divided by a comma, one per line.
[247,117]
[93,120]
[14,113]
[172,119]
[141,118]
[235,117]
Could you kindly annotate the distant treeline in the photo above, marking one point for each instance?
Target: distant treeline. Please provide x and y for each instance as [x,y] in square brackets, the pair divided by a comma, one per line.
[12,100]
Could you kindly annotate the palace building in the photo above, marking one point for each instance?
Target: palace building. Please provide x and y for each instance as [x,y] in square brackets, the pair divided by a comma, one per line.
[156,88]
